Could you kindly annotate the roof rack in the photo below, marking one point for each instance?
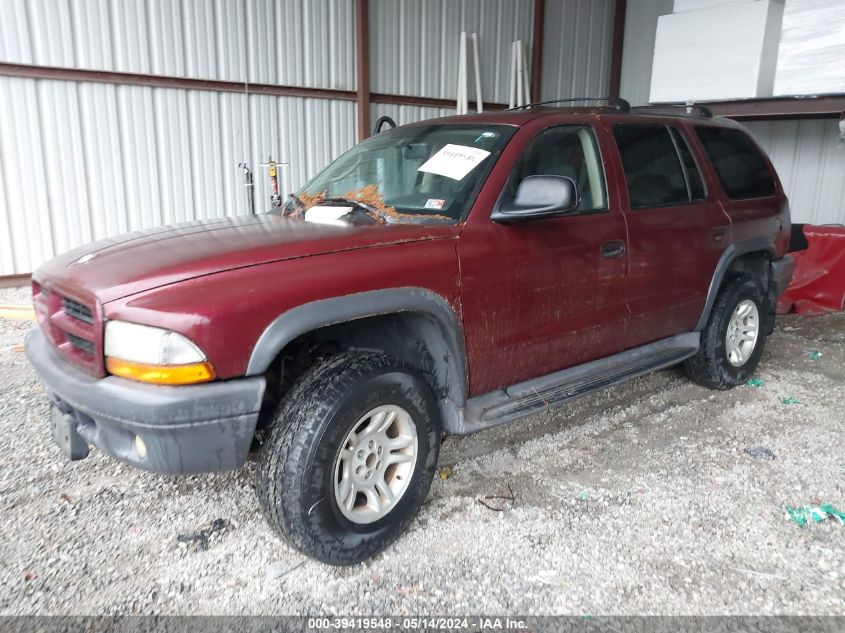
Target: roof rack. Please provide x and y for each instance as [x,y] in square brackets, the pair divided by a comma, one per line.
[672,109]
[618,104]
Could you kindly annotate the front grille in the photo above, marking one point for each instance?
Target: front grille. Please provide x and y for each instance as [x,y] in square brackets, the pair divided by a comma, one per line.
[73,327]
[80,343]
[78,311]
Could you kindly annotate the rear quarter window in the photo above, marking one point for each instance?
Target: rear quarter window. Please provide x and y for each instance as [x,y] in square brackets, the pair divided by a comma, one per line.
[740,165]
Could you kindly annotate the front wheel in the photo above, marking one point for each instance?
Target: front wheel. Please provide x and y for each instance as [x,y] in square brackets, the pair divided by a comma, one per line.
[733,340]
[350,457]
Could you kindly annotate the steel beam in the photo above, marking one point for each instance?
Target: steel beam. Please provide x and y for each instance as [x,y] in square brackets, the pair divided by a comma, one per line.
[362,67]
[537,51]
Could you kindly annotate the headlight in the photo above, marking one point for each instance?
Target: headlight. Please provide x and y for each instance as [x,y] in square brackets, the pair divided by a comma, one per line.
[151,354]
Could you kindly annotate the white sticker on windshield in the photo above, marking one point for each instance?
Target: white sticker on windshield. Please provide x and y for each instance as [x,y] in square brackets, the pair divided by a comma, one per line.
[327,215]
[454,161]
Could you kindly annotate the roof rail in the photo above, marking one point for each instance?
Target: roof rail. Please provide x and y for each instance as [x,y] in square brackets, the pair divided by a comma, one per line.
[615,102]
[672,109]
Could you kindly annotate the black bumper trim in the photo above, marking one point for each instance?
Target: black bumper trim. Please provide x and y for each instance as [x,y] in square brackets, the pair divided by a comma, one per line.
[782,271]
[186,429]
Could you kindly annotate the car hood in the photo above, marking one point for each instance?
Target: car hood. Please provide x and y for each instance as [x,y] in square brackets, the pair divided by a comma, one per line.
[117,267]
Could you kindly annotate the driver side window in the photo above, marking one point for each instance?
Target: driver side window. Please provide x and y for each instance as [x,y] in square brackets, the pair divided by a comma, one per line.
[566,150]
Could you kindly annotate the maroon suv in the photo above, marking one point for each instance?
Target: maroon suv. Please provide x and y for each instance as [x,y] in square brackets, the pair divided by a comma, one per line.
[445,276]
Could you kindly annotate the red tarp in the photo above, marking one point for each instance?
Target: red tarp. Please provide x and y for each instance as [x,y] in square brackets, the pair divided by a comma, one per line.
[818,285]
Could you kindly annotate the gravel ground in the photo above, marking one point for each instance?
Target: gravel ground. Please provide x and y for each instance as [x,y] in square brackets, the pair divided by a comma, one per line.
[640,499]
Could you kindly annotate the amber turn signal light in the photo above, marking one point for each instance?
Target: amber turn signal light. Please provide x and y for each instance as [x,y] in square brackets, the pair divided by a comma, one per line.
[161,374]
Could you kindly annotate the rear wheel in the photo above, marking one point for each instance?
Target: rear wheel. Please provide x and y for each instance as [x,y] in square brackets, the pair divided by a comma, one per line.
[732,342]
[350,457]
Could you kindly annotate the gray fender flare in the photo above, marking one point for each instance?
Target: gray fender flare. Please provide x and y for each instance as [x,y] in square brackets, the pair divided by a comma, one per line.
[737,249]
[311,316]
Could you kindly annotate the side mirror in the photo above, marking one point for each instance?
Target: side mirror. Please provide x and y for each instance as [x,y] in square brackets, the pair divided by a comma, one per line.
[539,197]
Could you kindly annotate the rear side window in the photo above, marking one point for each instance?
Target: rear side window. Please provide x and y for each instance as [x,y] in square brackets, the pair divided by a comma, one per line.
[739,164]
[653,170]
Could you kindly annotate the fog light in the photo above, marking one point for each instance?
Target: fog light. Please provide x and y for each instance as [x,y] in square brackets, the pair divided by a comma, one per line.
[140,447]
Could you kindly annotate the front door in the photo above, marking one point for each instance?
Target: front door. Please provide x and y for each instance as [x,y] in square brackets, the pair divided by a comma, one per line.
[545,294]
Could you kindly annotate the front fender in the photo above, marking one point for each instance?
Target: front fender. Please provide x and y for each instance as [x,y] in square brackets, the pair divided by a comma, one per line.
[449,347]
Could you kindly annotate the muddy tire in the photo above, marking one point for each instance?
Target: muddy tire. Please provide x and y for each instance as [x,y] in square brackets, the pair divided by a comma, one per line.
[732,342]
[350,457]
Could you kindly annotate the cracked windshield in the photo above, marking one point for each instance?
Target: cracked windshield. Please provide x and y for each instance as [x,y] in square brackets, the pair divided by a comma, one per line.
[419,174]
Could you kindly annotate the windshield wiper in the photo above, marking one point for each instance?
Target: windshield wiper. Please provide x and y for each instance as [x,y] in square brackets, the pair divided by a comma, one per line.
[355,203]
[358,211]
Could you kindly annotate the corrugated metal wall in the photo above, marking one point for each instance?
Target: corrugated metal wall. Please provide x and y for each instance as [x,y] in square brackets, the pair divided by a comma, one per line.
[414,44]
[81,161]
[576,48]
[291,42]
[810,161]
[415,51]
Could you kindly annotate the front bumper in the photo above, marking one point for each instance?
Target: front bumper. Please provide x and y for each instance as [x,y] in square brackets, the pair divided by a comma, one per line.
[186,429]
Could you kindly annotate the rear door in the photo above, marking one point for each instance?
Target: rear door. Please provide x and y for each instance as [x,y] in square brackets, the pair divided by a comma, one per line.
[753,196]
[677,230]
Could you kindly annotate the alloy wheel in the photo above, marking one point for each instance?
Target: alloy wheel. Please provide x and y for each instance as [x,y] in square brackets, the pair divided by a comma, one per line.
[375,464]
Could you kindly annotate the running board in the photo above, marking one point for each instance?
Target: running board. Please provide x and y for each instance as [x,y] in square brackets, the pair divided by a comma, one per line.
[525,398]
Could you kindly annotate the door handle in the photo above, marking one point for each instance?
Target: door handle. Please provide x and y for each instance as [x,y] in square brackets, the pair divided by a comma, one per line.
[613,249]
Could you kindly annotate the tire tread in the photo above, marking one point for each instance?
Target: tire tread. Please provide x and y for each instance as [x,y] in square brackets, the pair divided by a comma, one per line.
[280,479]
[709,366]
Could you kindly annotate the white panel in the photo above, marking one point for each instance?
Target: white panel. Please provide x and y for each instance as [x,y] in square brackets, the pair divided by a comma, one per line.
[810,162]
[732,49]
[414,45]
[811,58]
[576,48]
[693,5]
